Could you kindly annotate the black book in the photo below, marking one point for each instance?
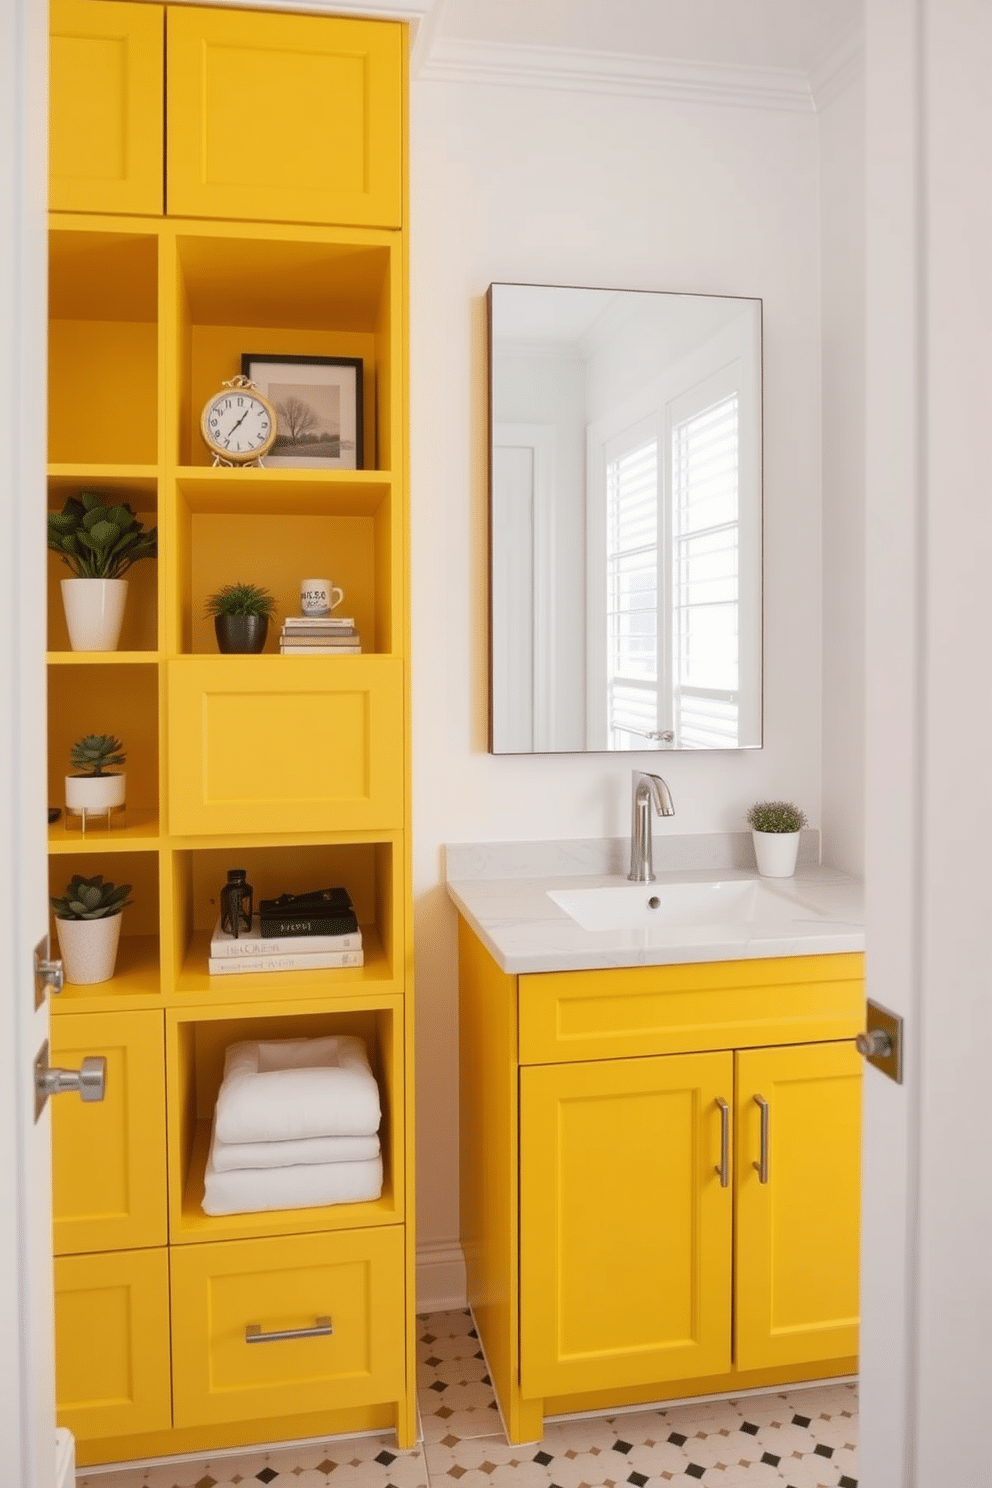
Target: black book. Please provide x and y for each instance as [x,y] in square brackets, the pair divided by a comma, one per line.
[316,901]
[343,923]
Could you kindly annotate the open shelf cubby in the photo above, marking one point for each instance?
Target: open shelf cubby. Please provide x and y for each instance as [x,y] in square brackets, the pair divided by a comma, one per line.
[137,975]
[195,1057]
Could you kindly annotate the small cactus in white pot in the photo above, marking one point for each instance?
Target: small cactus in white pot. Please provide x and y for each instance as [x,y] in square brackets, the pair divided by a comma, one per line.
[88,924]
[96,786]
[775,830]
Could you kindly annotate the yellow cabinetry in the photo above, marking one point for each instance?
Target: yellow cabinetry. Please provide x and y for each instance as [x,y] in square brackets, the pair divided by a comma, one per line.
[293,768]
[105,137]
[660,1176]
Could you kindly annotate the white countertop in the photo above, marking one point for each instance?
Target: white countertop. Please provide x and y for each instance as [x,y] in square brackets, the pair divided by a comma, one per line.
[524,930]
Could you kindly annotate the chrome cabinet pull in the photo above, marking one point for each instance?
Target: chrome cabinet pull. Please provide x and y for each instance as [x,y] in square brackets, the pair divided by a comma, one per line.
[90,1080]
[322,1328]
[762,1163]
[723,1167]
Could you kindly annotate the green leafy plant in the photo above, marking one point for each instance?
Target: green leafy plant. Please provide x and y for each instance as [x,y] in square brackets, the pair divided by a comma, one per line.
[96,754]
[241,599]
[776,816]
[91,899]
[97,540]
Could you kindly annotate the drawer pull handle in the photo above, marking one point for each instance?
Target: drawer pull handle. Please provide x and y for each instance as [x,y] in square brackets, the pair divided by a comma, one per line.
[762,1163]
[724,1165]
[322,1328]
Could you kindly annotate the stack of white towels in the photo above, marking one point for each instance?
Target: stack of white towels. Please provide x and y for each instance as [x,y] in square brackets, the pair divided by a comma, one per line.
[296,1125]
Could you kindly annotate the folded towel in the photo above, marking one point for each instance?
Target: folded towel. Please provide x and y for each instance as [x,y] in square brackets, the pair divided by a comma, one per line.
[248,1190]
[228,1155]
[297,1088]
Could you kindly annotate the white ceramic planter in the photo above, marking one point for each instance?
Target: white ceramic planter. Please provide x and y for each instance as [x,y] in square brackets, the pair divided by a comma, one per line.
[776,853]
[89,948]
[94,612]
[94,793]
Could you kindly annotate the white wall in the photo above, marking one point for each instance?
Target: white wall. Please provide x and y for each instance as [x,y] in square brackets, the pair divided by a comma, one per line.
[842,175]
[554,187]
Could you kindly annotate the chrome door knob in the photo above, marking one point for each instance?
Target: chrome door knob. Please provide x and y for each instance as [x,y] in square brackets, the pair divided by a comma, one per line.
[90,1080]
[875,1044]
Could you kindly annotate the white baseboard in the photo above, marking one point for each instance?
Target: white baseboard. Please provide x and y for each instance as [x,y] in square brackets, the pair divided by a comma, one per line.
[440,1276]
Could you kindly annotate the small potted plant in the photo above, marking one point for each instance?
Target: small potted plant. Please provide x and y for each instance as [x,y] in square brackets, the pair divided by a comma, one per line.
[775,829]
[99,542]
[96,787]
[88,923]
[241,616]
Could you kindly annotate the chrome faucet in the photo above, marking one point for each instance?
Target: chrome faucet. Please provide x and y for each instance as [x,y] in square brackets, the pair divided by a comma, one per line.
[646,789]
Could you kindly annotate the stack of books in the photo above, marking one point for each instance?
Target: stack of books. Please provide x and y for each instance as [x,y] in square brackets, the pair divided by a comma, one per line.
[328,636]
[303,932]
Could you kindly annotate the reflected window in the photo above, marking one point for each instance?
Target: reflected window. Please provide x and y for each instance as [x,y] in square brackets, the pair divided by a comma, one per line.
[632,592]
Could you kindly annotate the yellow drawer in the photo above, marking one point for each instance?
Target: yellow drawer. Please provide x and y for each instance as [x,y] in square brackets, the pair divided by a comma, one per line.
[676,1009]
[355,1278]
[108,1156]
[105,142]
[285,744]
[112,1343]
[285,118]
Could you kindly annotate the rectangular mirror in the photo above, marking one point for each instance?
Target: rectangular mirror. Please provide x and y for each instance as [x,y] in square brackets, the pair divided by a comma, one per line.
[625,520]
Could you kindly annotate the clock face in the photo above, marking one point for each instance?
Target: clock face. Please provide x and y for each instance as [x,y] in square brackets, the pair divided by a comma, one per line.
[238,425]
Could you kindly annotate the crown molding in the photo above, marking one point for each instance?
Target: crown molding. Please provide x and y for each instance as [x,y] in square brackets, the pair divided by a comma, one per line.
[507,65]
[835,74]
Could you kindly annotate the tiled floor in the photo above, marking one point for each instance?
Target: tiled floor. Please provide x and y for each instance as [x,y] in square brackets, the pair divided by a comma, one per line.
[803,1437]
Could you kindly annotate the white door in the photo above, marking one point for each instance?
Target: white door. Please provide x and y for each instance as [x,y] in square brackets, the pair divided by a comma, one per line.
[27,1395]
[927,1216]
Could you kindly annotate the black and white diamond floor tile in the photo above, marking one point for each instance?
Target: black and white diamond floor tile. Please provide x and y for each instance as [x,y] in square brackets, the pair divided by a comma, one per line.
[803,1438]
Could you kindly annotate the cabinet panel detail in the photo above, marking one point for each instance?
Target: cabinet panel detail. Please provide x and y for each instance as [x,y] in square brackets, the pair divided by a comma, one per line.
[108,1157]
[105,142]
[668,1009]
[625,1226]
[798,1232]
[327,101]
[112,1343]
[284,1286]
[285,744]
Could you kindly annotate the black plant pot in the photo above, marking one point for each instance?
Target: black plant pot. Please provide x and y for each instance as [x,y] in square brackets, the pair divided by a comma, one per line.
[245,633]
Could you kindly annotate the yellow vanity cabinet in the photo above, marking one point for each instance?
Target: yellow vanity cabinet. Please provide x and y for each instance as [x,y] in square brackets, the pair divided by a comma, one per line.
[620,1244]
[108,1156]
[112,1368]
[106,124]
[278,118]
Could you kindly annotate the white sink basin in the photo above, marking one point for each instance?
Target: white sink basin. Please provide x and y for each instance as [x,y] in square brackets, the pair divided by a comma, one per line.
[683,905]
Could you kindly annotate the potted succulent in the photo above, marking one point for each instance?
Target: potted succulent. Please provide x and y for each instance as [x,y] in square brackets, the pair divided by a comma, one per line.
[775,828]
[88,923]
[99,541]
[96,786]
[241,616]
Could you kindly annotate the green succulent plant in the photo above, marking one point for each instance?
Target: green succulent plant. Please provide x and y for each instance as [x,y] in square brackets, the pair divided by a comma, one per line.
[96,754]
[241,599]
[776,816]
[91,899]
[98,540]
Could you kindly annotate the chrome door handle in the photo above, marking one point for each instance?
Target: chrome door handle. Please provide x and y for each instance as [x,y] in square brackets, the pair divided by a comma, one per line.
[48,973]
[762,1163]
[874,1045]
[322,1328]
[723,1167]
[90,1080]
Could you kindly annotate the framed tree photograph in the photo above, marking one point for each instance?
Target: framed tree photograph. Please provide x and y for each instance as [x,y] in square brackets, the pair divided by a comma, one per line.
[318,404]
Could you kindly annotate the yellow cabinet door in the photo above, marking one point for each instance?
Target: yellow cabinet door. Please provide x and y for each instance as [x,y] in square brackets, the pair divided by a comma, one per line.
[329,1315]
[285,744]
[108,1157]
[798,1218]
[625,1225]
[284,118]
[112,1343]
[107,85]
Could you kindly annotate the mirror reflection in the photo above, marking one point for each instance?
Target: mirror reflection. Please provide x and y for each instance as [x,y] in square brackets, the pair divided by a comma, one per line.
[625,520]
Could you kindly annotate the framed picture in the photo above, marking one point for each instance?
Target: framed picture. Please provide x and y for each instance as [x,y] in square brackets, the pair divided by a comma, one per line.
[318,404]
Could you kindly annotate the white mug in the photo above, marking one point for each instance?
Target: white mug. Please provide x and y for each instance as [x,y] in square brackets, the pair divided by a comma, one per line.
[319,597]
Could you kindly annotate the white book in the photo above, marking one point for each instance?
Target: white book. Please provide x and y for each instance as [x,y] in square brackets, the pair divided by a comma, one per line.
[246,965]
[303,622]
[288,649]
[255,944]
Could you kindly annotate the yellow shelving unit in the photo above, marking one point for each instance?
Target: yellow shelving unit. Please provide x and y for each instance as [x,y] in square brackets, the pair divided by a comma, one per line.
[295,768]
